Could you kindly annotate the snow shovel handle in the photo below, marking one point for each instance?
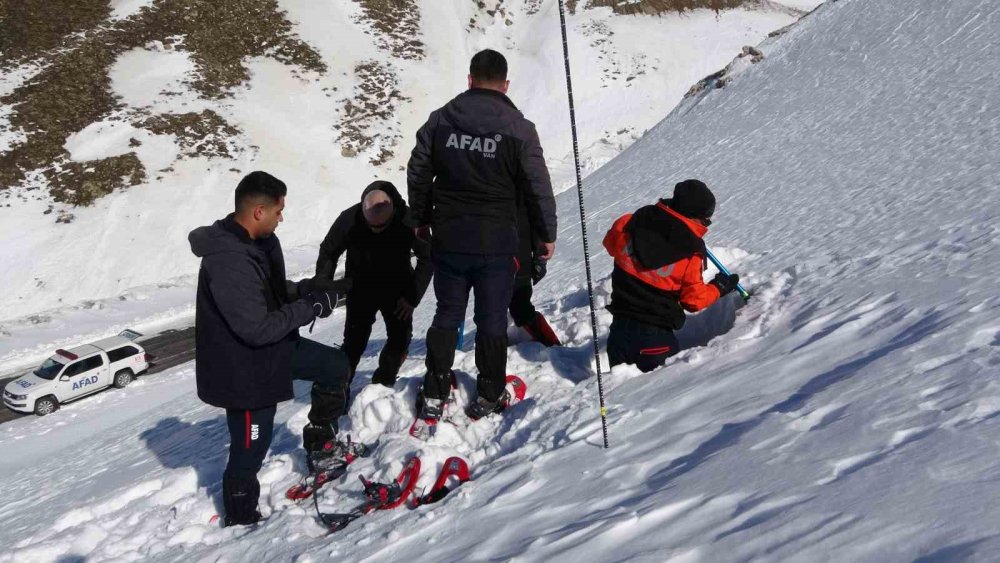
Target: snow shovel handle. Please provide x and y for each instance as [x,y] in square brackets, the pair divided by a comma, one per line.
[724,270]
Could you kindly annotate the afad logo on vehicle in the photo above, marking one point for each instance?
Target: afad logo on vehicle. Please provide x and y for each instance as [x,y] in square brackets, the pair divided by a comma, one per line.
[485,145]
[85,382]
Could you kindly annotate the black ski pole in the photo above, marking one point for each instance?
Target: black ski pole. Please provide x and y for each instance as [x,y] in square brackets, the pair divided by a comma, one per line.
[583,224]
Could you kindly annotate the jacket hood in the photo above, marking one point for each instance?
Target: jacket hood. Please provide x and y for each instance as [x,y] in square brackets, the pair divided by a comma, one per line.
[697,228]
[481,111]
[388,188]
[660,236]
[224,235]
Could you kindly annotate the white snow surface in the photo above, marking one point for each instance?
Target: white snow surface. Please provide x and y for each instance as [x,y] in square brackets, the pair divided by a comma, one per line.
[847,413]
[121,9]
[628,73]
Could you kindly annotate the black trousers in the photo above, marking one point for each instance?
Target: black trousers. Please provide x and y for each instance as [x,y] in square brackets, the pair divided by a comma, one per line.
[521,309]
[491,278]
[250,431]
[646,346]
[361,309]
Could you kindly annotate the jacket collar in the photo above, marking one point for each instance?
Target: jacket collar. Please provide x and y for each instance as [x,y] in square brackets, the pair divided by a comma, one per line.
[491,93]
[695,227]
[230,225]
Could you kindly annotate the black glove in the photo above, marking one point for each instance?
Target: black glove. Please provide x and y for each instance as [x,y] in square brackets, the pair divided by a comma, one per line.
[323,302]
[725,283]
[312,285]
[341,286]
[539,268]
[305,287]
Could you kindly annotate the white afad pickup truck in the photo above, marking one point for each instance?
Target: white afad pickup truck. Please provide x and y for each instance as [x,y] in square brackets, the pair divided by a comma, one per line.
[72,374]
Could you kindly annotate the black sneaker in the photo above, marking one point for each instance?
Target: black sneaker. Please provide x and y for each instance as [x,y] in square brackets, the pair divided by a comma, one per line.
[483,407]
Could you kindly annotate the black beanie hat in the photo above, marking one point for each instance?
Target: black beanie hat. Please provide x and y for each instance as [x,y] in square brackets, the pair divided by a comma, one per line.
[693,199]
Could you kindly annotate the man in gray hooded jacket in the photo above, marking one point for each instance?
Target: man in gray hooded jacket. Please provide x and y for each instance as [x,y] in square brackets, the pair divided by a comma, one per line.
[248,348]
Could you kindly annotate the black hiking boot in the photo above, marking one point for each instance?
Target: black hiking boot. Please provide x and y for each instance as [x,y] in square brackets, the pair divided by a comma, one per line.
[432,409]
[384,378]
[239,498]
[483,407]
[318,438]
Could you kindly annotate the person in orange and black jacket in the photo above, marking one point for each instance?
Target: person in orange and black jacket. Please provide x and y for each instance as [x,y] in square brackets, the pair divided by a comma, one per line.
[659,259]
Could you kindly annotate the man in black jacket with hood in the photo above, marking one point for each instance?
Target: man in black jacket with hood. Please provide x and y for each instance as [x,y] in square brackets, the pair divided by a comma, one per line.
[247,344]
[463,176]
[377,239]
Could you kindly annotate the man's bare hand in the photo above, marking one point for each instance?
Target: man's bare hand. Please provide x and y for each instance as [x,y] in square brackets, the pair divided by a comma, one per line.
[549,248]
[423,233]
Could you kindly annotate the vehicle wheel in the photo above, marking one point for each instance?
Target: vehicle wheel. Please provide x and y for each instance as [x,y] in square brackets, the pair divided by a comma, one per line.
[46,405]
[123,378]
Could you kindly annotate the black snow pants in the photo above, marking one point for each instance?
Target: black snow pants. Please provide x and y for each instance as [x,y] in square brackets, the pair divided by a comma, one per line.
[361,309]
[491,278]
[251,430]
[634,342]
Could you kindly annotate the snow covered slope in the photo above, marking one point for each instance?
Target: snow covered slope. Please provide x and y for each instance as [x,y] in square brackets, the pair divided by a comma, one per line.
[362,76]
[848,413]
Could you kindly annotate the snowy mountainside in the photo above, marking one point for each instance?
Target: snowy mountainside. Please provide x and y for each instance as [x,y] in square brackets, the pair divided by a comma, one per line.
[847,413]
[172,101]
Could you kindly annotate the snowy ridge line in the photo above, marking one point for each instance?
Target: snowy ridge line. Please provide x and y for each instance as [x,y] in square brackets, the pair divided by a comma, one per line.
[784,8]
[742,63]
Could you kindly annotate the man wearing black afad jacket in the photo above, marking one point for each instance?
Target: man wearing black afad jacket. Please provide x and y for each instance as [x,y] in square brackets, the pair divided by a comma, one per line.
[247,344]
[378,241]
[463,176]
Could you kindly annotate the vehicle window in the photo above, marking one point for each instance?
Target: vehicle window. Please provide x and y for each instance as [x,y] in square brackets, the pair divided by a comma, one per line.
[49,369]
[74,369]
[84,365]
[122,353]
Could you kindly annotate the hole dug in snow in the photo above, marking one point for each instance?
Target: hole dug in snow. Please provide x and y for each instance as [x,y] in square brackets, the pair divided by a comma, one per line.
[720,318]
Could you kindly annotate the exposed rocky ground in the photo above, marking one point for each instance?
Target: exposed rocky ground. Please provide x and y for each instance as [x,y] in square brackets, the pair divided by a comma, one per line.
[57,56]
[69,47]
